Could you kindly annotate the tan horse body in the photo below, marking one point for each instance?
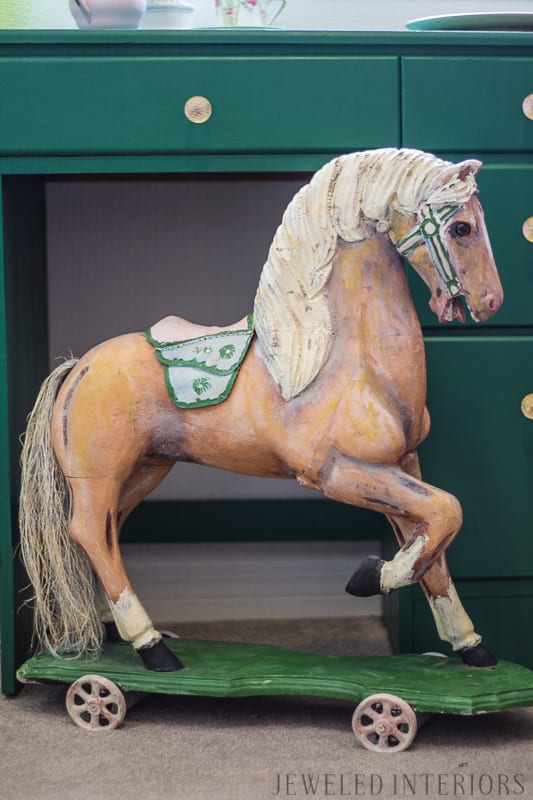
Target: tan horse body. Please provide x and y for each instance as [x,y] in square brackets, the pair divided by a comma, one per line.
[352,433]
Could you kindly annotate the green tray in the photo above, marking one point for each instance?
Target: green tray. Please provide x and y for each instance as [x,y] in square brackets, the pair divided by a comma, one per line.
[226,669]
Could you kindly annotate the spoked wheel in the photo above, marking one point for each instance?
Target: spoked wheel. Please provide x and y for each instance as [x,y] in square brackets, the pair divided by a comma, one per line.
[95,703]
[384,723]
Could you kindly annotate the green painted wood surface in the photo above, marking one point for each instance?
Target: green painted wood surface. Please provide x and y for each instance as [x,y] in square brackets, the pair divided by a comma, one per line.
[462,94]
[506,192]
[480,448]
[26,346]
[466,103]
[7,617]
[264,39]
[135,105]
[221,669]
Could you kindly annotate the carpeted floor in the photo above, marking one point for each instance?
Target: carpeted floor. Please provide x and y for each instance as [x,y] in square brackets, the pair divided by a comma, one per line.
[192,748]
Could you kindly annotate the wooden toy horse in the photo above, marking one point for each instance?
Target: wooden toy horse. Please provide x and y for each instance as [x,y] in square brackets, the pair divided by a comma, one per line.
[331,392]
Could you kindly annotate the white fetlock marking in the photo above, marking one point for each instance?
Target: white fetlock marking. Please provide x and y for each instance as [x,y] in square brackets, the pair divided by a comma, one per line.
[132,621]
[147,639]
[453,623]
[399,572]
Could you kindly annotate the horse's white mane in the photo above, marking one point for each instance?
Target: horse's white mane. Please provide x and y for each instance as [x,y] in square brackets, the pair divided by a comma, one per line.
[348,194]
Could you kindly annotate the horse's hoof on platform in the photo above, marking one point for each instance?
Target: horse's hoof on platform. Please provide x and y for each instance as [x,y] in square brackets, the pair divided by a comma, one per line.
[478,656]
[365,581]
[159,658]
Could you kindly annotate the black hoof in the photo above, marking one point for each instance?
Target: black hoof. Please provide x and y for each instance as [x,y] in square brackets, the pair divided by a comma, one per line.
[159,658]
[477,656]
[365,581]
[111,632]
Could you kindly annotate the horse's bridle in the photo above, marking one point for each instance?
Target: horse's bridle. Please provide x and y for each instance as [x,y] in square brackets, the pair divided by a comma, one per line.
[428,232]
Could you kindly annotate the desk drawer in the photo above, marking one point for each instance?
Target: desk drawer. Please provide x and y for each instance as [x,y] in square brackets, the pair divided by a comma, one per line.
[467,103]
[117,105]
[480,448]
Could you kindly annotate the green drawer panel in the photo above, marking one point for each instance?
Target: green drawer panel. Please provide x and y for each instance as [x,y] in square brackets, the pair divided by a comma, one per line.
[480,448]
[467,103]
[506,193]
[108,105]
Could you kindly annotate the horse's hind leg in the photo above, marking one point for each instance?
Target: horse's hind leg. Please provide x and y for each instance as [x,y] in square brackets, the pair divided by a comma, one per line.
[97,514]
[140,483]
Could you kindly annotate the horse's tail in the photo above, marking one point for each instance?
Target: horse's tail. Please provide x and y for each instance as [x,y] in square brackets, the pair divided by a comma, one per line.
[66,620]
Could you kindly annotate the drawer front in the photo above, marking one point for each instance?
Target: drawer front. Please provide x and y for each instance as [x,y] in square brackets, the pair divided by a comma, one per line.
[506,194]
[480,448]
[467,103]
[276,105]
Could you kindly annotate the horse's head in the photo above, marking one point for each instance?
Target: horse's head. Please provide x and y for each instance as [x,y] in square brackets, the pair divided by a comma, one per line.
[449,247]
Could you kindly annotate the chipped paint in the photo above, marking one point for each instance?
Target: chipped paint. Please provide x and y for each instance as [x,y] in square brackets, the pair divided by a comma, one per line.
[400,571]
[132,621]
[453,623]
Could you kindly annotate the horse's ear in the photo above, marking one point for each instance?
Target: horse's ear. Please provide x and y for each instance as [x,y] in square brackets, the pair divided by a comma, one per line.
[460,171]
[469,167]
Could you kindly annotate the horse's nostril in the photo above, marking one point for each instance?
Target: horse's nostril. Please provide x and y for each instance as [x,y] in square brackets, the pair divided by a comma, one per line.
[493,304]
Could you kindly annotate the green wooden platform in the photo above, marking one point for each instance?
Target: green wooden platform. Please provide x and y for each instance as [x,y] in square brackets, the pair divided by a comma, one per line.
[226,669]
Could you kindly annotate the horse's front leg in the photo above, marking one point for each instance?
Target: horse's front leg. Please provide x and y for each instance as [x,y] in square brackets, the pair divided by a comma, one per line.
[426,520]
[453,623]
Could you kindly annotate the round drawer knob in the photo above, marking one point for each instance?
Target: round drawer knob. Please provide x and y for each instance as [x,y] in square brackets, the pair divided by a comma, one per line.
[526,406]
[527,106]
[198,109]
[527,229]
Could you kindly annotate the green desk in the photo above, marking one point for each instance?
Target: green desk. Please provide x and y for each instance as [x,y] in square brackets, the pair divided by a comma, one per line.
[100,103]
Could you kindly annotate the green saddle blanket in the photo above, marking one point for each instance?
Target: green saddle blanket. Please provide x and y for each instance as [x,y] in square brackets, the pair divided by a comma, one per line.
[201,372]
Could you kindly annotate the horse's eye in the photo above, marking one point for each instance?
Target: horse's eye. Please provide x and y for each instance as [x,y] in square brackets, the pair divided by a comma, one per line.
[461,229]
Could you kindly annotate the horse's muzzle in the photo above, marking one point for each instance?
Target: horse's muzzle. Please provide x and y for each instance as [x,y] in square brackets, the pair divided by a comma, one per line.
[489,306]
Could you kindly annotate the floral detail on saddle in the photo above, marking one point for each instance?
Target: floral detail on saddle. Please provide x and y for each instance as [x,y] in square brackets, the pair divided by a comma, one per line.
[201,371]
